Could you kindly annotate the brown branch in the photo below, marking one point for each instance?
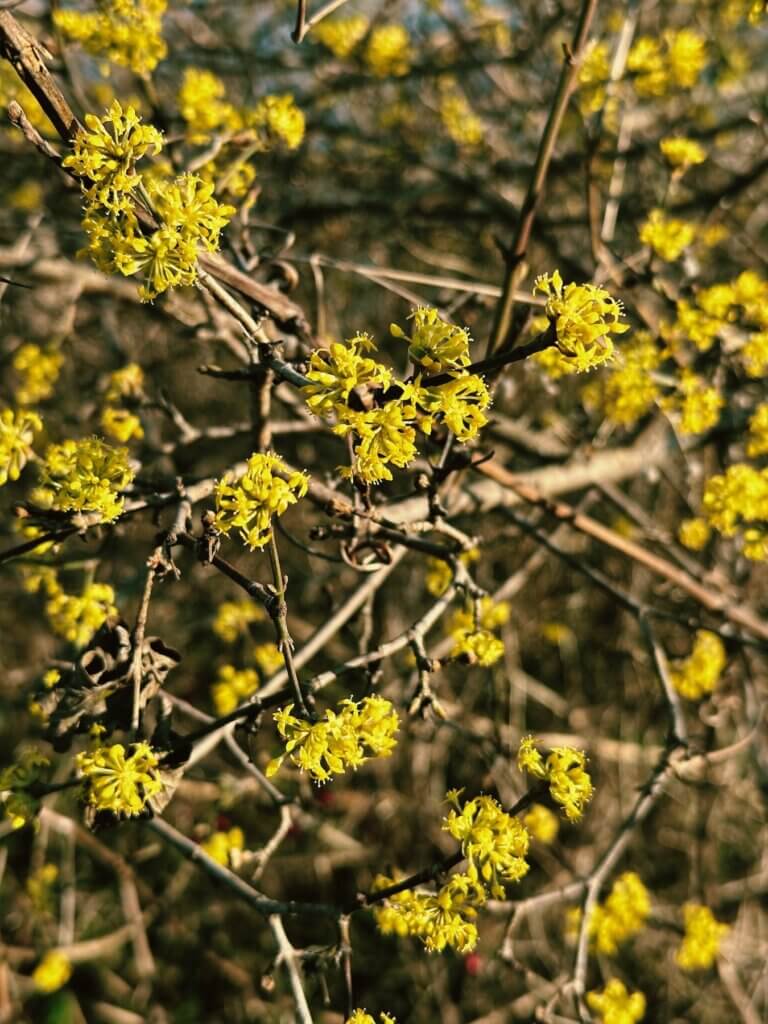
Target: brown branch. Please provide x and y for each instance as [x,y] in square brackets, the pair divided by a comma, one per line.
[713,601]
[516,254]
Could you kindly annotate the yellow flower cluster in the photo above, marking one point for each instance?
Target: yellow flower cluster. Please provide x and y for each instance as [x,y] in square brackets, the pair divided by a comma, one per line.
[17,432]
[233,619]
[628,389]
[615,1005]
[735,502]
[340,740]
[30,767]
[542,823]
[758,432]
[118,422]
[754,354]
[202,105]
[361,1017]
[384,434]
[699,673]
[703,935]
[52,973]
[341,35]
[388,53]
[241,131]
[250,502]
[698,404]
[593,75]
[104,155]
[121,424]
[277,119]
[673,62]
[584,317]
[268,658]
[128,32]
[564,770]
[622,915]
[127,382]
[84,476]
[494,843]
[336,371]
[76,617]
[119,780]
[444,918]
[694,533]
[38,371]
[225,847]
[232,687]
[459,120]
[472,631]
[669,237]
[681,152]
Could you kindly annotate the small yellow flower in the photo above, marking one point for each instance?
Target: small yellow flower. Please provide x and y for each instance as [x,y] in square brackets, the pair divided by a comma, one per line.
[277,119]
[494,843]
[53,972]
[542,823]
[694,534]
[39,370]
[17,432]
[121,425]
[224,847]
[233,619]
[336,371]
[232,687]
[669,237]
[201,105]
[341,35]
[119,781]
[340,740]
[249,503]
[699,673]
[622,915]
[564,770]
[615,1005]
[389,51]
[127,382]
[105,154]
[128,32]
[681,152]
[584,317]
[84,476]
[703,936]
[361,1017]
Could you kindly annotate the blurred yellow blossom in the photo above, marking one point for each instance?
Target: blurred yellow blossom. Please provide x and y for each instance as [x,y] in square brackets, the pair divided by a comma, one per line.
[542,823]
[233,619]
[703,936]
[53,972]
[388,52]
[667,236]
[615,1005]
[249,503]
[232,687]
[38,370]
[698,674]
[694,533]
